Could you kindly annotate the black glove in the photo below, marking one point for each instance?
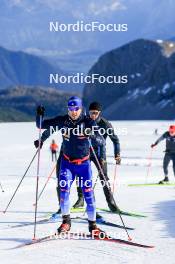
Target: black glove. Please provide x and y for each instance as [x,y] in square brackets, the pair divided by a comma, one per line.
[118,159]
[40,110]
[36,143]
[153,145]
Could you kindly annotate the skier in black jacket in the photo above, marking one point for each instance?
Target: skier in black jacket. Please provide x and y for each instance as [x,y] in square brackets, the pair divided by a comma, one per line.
[75,158]
[99,146]
[95,114]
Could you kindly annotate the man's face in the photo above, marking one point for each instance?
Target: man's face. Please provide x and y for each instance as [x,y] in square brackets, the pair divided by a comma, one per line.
[74,113]
[94,114]
[172,133]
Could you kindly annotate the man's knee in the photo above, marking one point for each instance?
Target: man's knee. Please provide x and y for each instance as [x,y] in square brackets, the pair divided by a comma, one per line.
[89,195]
[87,190]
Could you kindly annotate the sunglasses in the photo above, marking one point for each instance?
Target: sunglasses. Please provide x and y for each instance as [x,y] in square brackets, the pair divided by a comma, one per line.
[93,112]
[73,108]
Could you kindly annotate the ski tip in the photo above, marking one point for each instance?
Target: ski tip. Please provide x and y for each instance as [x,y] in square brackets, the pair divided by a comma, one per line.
[151,247]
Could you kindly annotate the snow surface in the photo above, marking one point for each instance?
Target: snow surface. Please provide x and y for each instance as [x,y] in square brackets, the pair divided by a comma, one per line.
[158,228]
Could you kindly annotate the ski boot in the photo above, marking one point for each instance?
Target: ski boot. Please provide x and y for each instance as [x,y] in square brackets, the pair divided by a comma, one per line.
[79,203]
[165,180]
[113,207]
[110,199]
[95,231]
[99,218]
[56,216]
[65,226]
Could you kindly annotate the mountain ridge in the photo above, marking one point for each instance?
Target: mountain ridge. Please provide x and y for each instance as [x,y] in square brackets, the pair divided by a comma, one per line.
[19,103]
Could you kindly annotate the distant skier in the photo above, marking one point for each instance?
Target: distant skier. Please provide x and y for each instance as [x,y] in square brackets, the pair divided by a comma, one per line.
[54,150]
[74,161]
[156,131]
[169,152]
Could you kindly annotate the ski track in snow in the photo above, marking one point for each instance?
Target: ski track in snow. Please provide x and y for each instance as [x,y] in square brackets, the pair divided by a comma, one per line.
[158,229]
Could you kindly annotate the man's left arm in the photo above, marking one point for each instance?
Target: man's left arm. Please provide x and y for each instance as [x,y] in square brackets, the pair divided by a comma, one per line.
[115,140]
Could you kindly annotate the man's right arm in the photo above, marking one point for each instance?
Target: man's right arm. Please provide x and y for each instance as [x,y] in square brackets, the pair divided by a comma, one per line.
[55,123]
[46,124]
[45,135]
[164,136]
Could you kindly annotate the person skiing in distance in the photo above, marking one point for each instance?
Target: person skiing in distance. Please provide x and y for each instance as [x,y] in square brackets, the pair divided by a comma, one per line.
[156,131]
[54,149]
[169,136]
[74,161]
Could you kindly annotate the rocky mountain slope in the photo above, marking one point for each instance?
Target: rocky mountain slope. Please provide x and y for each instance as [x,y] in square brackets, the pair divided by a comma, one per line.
[19,103]
[150,91]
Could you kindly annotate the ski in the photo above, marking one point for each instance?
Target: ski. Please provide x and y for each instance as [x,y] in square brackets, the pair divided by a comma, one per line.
[82,236]
[73,210]
[36,241]
[43,221]
[49,219]
[124,242]
[102,221]
[82,210]
[133,214]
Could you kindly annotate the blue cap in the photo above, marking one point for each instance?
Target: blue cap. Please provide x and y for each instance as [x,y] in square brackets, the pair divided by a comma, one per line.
[74,103]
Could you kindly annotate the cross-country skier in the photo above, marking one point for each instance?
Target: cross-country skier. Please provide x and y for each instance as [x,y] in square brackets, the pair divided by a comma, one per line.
[75,159]
[98,142]
[54,149]
[99,146]
[169,152]
[95,114]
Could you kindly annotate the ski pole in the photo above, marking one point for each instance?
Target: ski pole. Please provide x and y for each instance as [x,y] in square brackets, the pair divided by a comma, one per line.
[50,175]
[20,182]
[37,178]
[95,181]
[1,187]
[100,168]
[149,165]
[115,176]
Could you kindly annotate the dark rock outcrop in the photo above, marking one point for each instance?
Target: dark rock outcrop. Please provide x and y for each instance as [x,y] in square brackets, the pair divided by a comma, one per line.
[150,90]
